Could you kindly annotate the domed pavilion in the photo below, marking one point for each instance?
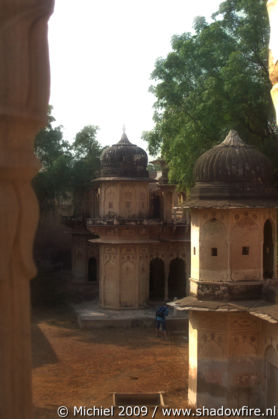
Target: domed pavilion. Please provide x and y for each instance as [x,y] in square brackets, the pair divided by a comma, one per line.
[233,171]
[131,247]
[124,160]
[233,269]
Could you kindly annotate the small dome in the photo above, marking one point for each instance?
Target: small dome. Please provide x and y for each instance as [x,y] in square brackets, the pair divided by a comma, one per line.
[233,170]
[124,160]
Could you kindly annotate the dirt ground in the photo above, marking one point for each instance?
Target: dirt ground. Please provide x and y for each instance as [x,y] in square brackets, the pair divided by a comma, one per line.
[78,367]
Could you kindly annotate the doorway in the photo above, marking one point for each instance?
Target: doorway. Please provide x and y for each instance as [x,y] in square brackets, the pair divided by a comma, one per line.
[156,207]
[157,279]
[92,270]
[177,279]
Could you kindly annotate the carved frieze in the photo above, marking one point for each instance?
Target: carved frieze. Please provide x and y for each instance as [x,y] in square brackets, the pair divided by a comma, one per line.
[128,253]
[244,344]
[110,255]
[143,253]
[212,344]
[243,322]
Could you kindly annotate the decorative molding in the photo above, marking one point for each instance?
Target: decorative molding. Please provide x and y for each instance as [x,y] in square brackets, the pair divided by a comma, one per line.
[24,94]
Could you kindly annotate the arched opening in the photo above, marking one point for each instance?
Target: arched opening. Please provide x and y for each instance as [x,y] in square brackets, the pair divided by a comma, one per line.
[92,270]
[177,279]
[271,377]
[268,257]
[157,279]
[155,206]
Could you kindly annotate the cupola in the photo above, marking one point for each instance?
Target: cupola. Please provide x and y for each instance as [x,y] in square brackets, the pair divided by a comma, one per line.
[124,159]
[233,171]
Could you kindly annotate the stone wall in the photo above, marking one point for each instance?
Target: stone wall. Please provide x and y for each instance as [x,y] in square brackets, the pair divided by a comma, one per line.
[227,246]
[124,199]
[226,365]
[233,360]
[125,272]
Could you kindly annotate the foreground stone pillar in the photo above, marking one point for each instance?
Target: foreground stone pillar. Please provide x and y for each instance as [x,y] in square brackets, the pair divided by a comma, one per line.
[24,91]
[272,6]
[225,362]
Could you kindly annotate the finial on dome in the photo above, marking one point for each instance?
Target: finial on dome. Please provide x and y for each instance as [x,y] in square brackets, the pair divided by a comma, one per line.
[233,139]
[124,139]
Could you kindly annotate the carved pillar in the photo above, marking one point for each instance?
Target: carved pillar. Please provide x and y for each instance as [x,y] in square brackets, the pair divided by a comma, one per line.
[24,91]
[225,364]
[272,7]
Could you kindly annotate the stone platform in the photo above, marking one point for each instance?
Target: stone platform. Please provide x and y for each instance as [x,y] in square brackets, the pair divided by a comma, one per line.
[91,316]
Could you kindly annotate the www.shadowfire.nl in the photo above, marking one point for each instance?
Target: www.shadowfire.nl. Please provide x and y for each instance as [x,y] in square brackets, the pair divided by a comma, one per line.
[221,411]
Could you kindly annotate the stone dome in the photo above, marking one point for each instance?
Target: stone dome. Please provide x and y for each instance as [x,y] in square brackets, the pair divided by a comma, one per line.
[233,170]
[124,160]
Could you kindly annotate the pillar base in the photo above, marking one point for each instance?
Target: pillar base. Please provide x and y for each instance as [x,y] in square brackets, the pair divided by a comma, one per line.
[226,367]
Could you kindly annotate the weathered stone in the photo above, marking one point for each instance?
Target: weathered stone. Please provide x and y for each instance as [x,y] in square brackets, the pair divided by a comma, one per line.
[139,257]
[228,367]
[24,91]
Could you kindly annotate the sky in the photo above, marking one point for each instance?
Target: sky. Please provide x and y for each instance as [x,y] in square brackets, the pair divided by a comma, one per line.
[102,53]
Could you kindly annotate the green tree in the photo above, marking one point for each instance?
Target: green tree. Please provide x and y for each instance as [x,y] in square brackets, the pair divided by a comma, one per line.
[53,179]
[85,143]
[214,80]
[86,162]
[66,169]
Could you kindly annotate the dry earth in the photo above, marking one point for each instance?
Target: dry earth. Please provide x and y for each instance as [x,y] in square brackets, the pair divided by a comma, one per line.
[78,367]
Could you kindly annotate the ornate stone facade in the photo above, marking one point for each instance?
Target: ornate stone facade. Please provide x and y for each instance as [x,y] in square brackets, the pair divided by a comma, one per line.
[237,238]
[233,354]
[124,199]
[24,87]
[139,255]
[226,358]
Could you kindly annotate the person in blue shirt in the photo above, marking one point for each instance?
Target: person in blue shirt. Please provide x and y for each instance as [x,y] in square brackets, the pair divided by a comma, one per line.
[161,314]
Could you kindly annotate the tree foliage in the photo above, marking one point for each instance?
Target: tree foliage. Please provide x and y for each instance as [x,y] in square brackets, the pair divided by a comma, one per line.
[66,169]
[86,161]
[213,80]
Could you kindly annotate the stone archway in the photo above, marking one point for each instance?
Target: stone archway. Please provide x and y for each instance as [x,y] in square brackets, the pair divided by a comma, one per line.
[177,279]
[268,251]
[157,279]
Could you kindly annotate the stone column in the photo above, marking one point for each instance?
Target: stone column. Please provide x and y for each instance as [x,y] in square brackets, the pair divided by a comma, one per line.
[80,257]
[167,198]
[24,92]
[272,7]
[225,364]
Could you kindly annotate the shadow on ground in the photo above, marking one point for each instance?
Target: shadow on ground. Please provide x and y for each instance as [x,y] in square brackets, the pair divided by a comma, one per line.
[43,353]
[63,316]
